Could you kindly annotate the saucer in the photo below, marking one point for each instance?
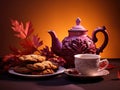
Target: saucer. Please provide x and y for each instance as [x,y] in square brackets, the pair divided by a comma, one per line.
[73,73]
[59,71]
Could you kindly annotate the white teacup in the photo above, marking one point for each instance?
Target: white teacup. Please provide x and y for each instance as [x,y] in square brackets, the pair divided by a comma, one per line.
[89,64]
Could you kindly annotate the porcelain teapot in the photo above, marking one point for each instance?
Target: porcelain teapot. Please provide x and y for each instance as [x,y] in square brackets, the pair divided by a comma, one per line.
[77,42]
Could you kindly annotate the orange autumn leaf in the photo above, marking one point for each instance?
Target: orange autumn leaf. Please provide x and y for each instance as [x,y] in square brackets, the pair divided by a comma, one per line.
[21,31]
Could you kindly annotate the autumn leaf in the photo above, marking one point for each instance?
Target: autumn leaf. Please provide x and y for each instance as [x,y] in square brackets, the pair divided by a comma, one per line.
[111,66]
[47,53]
[27,43]
[36,41]
[118,74]
[8,57]
[58,60]
[21,31]
[15,50]
[9,61]
[28,47]
[29,29]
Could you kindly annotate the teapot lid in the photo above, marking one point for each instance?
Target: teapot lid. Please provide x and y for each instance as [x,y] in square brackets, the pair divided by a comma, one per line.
[78,27]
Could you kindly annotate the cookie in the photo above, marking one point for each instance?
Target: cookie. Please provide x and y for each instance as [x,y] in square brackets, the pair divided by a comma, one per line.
[49,64]
[32,58]
[21,69]
[46,71]
[42,66]
[38,58]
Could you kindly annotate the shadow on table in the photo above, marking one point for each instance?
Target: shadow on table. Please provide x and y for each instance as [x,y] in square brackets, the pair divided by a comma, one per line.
[57,80]
[84,80]
[12,77]
[65,80]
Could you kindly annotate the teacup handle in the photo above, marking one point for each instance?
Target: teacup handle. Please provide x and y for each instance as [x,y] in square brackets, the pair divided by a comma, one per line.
[101,63]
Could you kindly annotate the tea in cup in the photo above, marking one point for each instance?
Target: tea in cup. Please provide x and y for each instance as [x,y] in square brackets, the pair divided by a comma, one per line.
[89,64]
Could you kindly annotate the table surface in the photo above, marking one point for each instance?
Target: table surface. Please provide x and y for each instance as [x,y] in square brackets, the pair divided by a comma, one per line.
[62,82]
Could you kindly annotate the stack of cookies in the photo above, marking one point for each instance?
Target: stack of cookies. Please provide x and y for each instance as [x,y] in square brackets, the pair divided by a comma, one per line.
[36,65]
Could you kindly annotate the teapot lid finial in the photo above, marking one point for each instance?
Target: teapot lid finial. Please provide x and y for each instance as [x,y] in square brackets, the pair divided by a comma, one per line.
[78,20]
[78,27]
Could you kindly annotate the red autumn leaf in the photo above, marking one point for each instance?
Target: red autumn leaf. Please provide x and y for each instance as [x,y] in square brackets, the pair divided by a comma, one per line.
[102,64]
[28,47]
[9,61]
[118,74]
[29,29]
[31,45]
[111,66]
[47,53]
[6,67]
[17,27]
[58,60]
[8,57]
[27,43]
[36,41]
[15,50]
[21,31]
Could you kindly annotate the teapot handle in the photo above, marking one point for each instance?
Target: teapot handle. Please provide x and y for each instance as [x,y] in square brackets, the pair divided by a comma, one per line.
[94,38]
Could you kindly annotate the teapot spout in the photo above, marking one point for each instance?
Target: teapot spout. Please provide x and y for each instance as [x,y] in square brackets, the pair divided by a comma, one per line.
[56,44]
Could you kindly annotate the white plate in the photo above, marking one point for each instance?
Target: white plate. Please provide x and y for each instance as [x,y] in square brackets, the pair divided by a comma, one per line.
[79,75]
[59,71]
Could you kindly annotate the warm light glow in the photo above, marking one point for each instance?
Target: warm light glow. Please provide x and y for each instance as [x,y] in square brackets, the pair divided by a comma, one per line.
[60,16]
